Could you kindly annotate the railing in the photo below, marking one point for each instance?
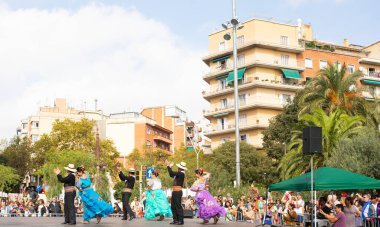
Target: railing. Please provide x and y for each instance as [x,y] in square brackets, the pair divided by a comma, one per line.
[255,80]
[276,63]
[373,74]
[258,43]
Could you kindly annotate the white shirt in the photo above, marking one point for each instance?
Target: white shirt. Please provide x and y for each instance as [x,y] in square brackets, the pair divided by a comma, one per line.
[299,210]
[154,184]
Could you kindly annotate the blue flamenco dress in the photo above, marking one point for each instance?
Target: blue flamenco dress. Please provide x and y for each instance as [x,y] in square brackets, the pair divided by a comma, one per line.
[156,201]
[93,205]
[207,205]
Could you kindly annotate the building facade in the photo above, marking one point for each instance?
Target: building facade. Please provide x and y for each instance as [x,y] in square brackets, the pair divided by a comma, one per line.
[274,61]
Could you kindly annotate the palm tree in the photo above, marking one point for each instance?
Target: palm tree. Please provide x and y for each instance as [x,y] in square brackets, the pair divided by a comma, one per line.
[335,126]
[333,89]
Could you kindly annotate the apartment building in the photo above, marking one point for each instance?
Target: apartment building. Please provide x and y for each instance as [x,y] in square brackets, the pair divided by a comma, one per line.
[42,122]
[269,70]
[274,61]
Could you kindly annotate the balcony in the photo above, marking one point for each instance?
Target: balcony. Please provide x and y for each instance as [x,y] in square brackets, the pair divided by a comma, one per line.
[275,64]
[248,103]
[252,83]
[162,139]
[219,130]
[372,76]
[256,43]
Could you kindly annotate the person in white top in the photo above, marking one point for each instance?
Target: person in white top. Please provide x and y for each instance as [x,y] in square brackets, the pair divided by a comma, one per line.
[299,209]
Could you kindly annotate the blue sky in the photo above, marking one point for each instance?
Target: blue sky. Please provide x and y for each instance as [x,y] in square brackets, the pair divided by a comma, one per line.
[130,54]
[193,20]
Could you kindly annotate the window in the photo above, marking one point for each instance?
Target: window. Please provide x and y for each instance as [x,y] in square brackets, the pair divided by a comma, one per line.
[147,130]
[284,40]
[222,65]
[244,138]
[285,98]
[222,123]
[222,46]
[24,125]
[240,60]
[240,40]
[222,84]
[371,71]
[308,63]
[35,124]
[284,59]
[339,66]
[35,138]
[242,100]
[148,143]
[223,103]
[242,119]
[322,64]
[351,69]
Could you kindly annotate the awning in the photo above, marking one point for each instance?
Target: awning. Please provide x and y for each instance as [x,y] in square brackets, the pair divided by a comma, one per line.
[221,58]
[372,82]
[327,178]
[230,77]
[291,74]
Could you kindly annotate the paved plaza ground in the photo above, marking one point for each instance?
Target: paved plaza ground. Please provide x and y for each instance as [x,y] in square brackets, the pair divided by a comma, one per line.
[107,222]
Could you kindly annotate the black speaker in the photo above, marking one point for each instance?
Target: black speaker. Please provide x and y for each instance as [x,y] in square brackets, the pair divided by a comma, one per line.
[312,140]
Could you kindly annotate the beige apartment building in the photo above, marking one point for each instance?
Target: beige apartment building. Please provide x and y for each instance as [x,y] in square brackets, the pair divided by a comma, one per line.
[268,72]
[274,61]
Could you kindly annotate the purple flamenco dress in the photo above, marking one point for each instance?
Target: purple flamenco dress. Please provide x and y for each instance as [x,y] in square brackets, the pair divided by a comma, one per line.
[207,205]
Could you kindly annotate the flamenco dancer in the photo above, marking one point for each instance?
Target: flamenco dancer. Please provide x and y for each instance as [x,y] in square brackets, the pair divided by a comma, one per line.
[127,192]
[207,206]
[156,202]
[93,205]
[179,178]
[70,193]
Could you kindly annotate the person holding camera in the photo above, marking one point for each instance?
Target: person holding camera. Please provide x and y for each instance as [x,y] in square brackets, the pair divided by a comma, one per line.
[339,219]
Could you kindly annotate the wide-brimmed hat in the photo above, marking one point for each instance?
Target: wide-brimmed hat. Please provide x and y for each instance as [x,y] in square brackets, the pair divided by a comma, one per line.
[132,170]
[182,165]
[71,168]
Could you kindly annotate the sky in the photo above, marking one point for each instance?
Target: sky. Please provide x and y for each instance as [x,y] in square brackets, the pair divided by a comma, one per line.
[131,54]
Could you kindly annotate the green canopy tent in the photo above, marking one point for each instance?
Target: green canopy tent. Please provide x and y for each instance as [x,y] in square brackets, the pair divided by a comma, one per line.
[327,178]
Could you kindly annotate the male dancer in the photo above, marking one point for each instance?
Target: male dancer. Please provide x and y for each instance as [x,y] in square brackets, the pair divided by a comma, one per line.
[176,204]
[127,192]
[70,193]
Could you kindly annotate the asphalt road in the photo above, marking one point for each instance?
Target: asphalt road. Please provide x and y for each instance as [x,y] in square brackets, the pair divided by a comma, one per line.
[111,222]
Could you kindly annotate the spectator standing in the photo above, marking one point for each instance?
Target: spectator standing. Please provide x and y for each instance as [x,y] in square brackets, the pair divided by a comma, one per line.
[351,211]
[33,194]
[299,209]
[290,216]
[42,208]
[339,219]
[54,207]
[367,210]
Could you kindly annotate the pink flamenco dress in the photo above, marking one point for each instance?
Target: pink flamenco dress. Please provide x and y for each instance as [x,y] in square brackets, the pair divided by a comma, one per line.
[207,205]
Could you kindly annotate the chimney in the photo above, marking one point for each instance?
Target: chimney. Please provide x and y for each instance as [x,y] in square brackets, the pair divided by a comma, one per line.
[346,43]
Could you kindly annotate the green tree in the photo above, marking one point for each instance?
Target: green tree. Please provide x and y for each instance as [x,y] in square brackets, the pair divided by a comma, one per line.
[9,178]
[60,160]
[359,154]
[335,126]
[332,89]
[18,155]
[221,165]
[278,134]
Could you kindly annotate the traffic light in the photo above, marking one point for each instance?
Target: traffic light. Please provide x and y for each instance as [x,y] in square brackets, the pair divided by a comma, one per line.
[143,172]
[137,175]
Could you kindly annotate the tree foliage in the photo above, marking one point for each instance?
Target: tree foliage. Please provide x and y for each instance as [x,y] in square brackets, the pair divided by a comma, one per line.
[18,155]
[8,179]
[335,126]
[359,154]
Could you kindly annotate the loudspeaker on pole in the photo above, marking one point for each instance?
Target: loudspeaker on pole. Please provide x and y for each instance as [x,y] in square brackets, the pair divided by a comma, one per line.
[312,140]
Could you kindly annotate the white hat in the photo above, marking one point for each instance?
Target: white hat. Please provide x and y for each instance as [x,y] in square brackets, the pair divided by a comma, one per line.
[182,165]
[131,170]
[71,168]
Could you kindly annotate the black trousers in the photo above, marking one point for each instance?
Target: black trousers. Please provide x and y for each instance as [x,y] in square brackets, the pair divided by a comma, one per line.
[69,207]
[176,205]
[126,207]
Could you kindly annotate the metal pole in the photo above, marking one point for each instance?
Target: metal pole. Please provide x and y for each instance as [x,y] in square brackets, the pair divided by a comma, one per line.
[236,97]
[312,187]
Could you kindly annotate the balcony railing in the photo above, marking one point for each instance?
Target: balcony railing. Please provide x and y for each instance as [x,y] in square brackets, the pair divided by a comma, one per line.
[293,85]
[276,63]
[277,103]
[242,126]
[245,44]
[373,75]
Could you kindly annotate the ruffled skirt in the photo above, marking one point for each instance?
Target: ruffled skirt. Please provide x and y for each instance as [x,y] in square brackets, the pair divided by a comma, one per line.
[156,204]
